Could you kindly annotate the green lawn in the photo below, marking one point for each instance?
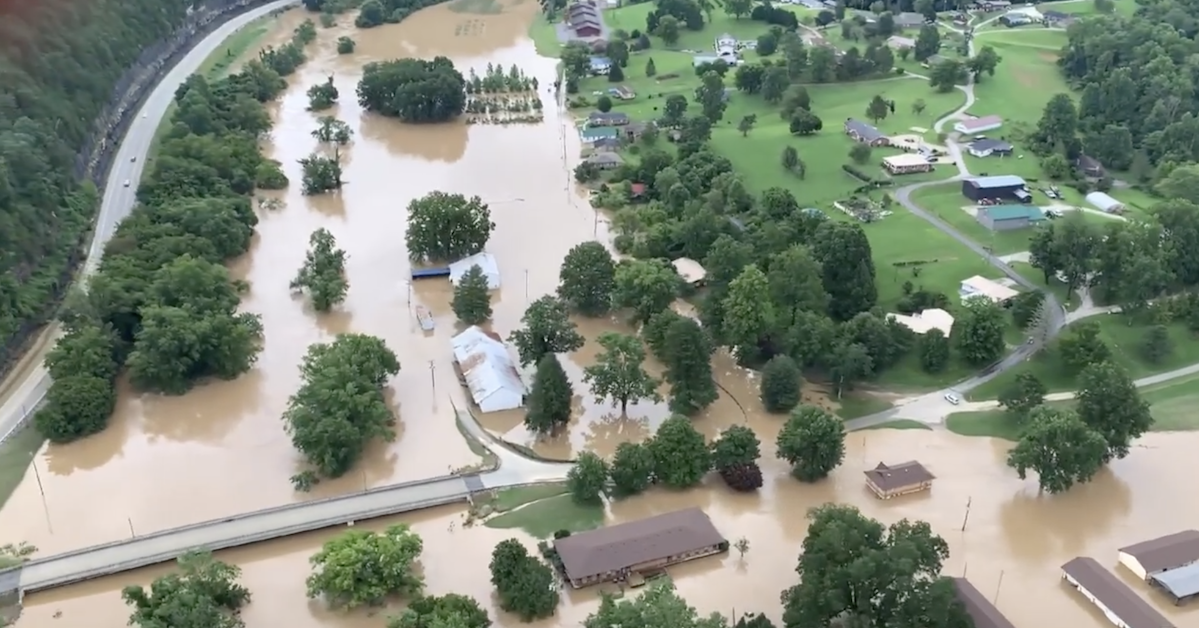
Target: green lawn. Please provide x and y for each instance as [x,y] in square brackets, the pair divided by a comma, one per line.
[899,424]
[857,404]
[992,424]
[542,518]
[16,454]
[545,37]
[1056,287]
[1122,339]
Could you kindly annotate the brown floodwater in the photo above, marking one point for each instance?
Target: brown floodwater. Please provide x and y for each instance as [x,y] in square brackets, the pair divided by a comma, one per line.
[1011,548]
[221,449]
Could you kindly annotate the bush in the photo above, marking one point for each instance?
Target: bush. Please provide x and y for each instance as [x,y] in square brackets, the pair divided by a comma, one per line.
[857,174]
[742,477]
[780,385]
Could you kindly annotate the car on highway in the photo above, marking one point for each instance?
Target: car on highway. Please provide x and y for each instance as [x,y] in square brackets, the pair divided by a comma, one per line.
[126,182]
[133,159]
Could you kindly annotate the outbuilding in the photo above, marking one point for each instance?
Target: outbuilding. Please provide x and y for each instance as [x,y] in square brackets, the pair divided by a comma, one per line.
[978,125]
[485,261]
[1009,217]
[978,287]
[1119,604]
[690,270]
[983,613]
[1147,558]
[1105,203]
[887,481]
[926,321]
[995,188]
[486,368]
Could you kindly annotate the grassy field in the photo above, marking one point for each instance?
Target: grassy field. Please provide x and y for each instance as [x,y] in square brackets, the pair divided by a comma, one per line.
[541,510]
[1123,340]
[856,404]
[16,454]
[899,424]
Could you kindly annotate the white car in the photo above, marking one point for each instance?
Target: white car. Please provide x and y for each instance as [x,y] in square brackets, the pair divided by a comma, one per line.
[133,159]
[952,398]
[126,182]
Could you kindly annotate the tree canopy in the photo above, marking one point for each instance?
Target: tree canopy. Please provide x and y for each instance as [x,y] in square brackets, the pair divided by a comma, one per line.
[525,584]
[361,567]
[445,227]
[204,593]
[413,90]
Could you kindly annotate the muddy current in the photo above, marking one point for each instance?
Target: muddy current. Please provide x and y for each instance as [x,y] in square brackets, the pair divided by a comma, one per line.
[221,449]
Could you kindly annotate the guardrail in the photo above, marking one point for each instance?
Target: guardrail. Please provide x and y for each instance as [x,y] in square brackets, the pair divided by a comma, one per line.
[27,413]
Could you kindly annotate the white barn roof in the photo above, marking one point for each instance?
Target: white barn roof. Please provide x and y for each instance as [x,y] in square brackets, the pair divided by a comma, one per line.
[977,286]
[486,261]
[489,371]
[926,321]
[1104,202]
[690,270]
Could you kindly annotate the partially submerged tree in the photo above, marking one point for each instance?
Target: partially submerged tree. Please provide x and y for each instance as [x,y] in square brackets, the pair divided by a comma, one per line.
[323,274]
[681,456]
[547,329]
[619,374]
[588,479]
[204,593]
[632,469]
[587,278]
[524,585]
[441,611]
[361,567]
[322,95]
[472,297]
[1060,448]
[446,227]
[332,131]
[321,173]
[813,442]
[780,385]
[549,406]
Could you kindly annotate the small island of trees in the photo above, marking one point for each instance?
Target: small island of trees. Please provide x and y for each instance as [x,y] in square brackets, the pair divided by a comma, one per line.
[499,97]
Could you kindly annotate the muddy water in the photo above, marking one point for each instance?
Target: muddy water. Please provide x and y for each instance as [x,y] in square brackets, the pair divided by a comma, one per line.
[1011,548]
[221,449]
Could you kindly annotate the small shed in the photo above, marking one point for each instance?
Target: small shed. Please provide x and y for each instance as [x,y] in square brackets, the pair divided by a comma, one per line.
[1009,217]
[895,480]
[690,270]
[486,261]
[1105,203]
[487,370]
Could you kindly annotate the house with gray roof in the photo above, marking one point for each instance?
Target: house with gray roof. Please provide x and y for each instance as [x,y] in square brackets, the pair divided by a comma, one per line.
[908,19]
[865,133]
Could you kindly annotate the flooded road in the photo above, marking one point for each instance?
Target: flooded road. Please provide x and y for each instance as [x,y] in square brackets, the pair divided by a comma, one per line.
[1011,548]
[221,449]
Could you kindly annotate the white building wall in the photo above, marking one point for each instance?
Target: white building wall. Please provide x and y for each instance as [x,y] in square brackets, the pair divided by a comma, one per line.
[1112,617]
[1133,565]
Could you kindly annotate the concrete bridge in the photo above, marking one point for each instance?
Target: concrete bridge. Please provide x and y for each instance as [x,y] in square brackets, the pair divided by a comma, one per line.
[244,529]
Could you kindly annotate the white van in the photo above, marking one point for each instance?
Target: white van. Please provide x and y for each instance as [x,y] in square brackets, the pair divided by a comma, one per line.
[952,398]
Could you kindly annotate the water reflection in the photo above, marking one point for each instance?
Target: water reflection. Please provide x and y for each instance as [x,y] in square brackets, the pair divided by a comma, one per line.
[441,142]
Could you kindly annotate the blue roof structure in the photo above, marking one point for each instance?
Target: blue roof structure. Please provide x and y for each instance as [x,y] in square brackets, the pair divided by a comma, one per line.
[1181,582]
[999,181]
[1013,212]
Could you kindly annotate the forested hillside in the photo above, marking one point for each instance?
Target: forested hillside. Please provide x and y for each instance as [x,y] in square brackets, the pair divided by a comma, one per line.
[63,63]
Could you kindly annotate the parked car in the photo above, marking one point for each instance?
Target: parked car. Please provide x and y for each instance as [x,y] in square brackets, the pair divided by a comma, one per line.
[952,398]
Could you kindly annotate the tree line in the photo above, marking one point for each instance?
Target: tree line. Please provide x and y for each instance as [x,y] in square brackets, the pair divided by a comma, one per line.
[61,63]
[887,576]
[161,304]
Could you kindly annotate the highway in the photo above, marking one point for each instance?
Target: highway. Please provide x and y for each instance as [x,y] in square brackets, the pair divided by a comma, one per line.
[119,201]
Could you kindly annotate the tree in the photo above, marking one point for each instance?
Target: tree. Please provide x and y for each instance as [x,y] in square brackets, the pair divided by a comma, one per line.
[332,131]
[340,407]
[444,227]
[547,330]
[984,62]
[681,457]
[632,469]
[618,52]
[747,124]
[441,611]
[780,385]
[322,96]
[615,73]
[687,354]
[918,106]
[645,286]
[668,30]
[1082,346]
[76,407]
[748,313]
[525,585]
[860,153]
[370,14]
[472,297]
[794,54]
[618,373]
[878,108]
[775,84]
[587,279]
[711,96]
[1060,448]
[361,567]
[1058,125]
[790,158]
[674,110]
[321,173]
[1026,307]
[934,351]
[844,255]
[204,593]
[1024,395]
[1108,402]
[748,77]
[805,122]
[657,605]
[345,46]
[549,403]
[413,90]
[795,97]
[323,274]
[603,104]
[855,569]
[650,68]
[735,456]
[1181,183]
[737,8]
[1157,345]
[587,480]
[947,74]
[979,331]
[813,442]
[928,42]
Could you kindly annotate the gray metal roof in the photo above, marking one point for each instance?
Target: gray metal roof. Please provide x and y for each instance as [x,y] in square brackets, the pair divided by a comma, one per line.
[1113,594]
[1181,582]
[998,181]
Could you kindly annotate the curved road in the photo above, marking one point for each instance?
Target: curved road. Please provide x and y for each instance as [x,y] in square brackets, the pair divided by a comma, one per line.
[119,200]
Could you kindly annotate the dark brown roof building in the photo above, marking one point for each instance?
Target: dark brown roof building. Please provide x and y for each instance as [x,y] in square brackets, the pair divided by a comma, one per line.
[1113,597]
[616,552]
[1161,554]
[900,479]
[980,609]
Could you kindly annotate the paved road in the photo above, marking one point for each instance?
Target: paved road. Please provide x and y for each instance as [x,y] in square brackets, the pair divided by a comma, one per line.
[119,200]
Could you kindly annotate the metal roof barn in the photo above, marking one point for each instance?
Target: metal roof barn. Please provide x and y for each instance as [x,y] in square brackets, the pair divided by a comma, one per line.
[489,370]
[486,261]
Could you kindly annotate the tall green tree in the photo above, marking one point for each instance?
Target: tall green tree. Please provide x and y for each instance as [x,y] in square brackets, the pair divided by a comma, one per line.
[1109,403]
[619,374]
[645,286]
[1060,448]
[547,330]
[472,297]
[632,469]
[587,278]
[747,312]
[437,611]
[204,593]
[687,353]
[1024,395]
[323,274]
[587,480]
[978,331]
[525,585]
[780,386]
[550,400]
[845,258]
[658,606]
[681,456]
[444,227]
[813,442]
[361,567]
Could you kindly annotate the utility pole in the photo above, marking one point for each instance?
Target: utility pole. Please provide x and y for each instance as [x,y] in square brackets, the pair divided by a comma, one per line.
[526,285]
[132,534]
[966,518]
[997,587]
[42,491]
[432,375]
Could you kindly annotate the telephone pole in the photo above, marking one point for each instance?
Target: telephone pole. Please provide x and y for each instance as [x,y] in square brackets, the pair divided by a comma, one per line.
[433,375]
[42,491]
[966,518]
